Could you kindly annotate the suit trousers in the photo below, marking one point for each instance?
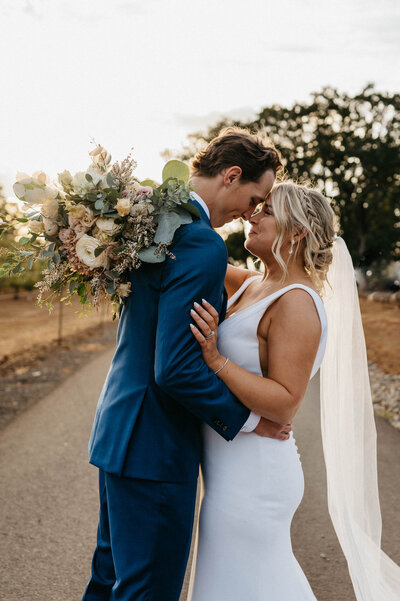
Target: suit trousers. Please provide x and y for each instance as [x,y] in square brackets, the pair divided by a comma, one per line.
[143,539]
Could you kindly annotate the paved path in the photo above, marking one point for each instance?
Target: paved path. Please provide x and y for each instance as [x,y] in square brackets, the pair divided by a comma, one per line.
[48,497]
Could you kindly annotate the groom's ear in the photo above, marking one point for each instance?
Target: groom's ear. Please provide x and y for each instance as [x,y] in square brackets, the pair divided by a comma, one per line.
[231,175]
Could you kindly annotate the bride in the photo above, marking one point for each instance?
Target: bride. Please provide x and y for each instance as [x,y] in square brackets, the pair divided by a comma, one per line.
[271,343]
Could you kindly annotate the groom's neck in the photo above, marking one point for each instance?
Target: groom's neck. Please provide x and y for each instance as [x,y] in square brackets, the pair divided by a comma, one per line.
[206,188]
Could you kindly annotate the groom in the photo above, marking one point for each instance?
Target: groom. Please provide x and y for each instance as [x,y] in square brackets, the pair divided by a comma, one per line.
[146,437]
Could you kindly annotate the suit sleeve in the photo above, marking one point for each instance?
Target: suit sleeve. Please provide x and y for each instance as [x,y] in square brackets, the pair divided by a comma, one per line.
[197,272]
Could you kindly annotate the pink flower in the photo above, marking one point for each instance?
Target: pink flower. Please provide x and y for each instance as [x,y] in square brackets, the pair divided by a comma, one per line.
[148,190]
[72,222]
[65,234]
[80,229]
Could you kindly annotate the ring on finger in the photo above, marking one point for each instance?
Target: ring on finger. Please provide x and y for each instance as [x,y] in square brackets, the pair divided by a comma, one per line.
[210,335]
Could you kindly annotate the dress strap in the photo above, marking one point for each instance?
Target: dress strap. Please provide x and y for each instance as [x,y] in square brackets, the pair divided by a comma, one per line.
[242,288]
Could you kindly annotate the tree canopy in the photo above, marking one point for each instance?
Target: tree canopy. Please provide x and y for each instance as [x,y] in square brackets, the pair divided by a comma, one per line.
[348,147]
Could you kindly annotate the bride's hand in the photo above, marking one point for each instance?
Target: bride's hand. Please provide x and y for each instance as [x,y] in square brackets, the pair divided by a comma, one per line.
[205,332]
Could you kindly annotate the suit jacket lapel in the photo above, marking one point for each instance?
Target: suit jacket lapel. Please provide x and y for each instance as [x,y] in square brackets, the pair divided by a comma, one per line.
[205,218]
[203,214]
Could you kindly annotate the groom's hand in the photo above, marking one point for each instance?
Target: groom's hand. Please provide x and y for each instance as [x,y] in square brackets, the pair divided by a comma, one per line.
[270,429]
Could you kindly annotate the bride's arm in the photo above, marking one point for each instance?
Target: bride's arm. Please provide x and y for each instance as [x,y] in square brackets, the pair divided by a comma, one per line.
[292,343]
[235,276]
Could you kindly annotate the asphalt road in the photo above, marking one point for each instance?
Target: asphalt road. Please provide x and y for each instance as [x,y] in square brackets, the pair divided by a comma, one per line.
[48,497]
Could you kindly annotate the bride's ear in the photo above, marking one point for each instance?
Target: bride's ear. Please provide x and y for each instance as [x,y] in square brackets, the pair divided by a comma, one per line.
[300,234]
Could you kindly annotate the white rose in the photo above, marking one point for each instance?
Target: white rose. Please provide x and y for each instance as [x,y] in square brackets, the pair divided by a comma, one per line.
[50,192]
[124,289]
[50,208]
[50,227]
[40,177]
[19,190]
[88,219]
[77,211]
[35,196]
[85,248]
[98,178]
[107,225]
[80,184]
[23,177]
[123,206]
[65,179]
[36,227]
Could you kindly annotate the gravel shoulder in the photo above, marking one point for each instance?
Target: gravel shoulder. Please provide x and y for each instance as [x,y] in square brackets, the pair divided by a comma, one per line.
[30,374]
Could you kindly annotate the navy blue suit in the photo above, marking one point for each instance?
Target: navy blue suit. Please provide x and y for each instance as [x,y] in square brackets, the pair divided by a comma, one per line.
[146,437]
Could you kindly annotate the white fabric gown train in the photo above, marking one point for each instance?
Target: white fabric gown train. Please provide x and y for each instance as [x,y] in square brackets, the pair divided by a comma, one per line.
[253,487]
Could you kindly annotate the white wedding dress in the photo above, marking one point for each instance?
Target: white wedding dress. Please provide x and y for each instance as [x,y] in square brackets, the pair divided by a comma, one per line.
[253,487]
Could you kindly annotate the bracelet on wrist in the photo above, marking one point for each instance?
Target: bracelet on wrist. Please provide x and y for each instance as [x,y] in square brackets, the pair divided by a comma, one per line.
[222,366]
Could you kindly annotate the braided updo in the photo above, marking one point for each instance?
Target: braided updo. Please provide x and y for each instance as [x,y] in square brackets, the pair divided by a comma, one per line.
[298,208]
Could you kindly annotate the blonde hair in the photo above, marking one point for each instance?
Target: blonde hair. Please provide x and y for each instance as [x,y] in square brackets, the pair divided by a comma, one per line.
[298,208]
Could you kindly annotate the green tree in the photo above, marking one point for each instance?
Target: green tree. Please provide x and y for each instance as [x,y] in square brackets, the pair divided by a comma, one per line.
[9,231]
[348,146]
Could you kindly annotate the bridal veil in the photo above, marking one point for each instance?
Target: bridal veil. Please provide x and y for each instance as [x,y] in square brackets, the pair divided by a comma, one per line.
[349,439]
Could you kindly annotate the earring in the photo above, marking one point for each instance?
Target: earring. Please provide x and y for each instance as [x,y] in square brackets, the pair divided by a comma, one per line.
[291,247]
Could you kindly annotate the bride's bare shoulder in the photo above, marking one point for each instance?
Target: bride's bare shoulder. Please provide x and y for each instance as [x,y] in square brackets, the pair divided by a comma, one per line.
[297,306]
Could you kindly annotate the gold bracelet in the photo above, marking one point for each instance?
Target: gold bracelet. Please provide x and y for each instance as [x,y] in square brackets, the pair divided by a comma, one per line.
[222,366]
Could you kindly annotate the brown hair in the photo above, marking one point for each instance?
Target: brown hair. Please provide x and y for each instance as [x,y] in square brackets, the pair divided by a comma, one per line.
[237,147]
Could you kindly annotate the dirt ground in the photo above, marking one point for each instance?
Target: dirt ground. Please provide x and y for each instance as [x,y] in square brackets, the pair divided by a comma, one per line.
[32,359]
[23,324]
[382,334]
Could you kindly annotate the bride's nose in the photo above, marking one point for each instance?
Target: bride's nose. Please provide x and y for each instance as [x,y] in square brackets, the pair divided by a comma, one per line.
[254,217]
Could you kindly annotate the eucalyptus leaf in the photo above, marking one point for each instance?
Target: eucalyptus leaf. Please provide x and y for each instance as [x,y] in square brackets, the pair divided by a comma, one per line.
[147,255]
[88,177]
[30,262]
[72,286]
[98,204]
[110,180]
[149,182]
[168,223]
[177,170]
[191,209]
[184,216]
[23,241]
[99,250]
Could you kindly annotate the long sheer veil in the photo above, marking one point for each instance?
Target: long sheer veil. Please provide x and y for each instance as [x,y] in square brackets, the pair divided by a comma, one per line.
[349,439]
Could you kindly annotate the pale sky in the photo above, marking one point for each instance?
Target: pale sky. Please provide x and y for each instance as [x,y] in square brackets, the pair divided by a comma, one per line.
[145,73]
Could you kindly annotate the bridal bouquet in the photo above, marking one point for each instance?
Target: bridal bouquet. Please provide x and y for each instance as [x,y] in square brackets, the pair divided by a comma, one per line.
[94,227]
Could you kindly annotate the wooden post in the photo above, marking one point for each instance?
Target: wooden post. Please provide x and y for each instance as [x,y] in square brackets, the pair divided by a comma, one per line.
[60,322]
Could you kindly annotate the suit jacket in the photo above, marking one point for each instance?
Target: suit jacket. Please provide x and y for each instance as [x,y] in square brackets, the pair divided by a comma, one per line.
[158,390]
